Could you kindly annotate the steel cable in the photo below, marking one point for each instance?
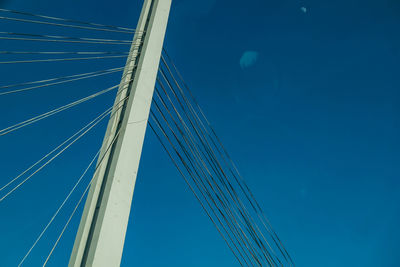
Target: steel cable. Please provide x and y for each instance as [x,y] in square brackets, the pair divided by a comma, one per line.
[57,78]
[61,41]
[60,53]
[192,189]
[52,158]
[243,187]
[199,178]
[61,25]
[257,239]
[48,154]
[65,37]
[101,117]
[198,158]
[78,203]
[205,145]
[221,173]
[59,209]
[241,182]
[54,111]
[58,59]
[66,20]
[64,79]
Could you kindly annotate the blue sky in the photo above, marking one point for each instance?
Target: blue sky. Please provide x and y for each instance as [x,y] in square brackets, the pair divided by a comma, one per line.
[307,103]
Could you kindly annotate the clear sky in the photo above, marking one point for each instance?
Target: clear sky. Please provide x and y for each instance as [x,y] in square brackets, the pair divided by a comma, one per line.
[304,94]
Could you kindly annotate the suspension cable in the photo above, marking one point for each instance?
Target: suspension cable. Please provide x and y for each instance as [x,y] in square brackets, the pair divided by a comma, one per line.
[239,179]
[65,37]
[199,176]
[61,53]
[211,158]
[66,20]
[55,156]
[54,111]
[62,25]
[52,151]
[80,200]
[199,154]
[59,209]
[71,191]
[63,80]
[57,78]
[58,59]
[232,223]
[192,189]
[61,41]
[252,228]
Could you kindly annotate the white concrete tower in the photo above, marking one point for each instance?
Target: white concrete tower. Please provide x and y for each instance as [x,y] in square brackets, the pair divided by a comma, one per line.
[101,234]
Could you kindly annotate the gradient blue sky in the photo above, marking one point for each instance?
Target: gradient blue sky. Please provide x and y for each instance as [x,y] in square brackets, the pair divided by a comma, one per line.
[307,103]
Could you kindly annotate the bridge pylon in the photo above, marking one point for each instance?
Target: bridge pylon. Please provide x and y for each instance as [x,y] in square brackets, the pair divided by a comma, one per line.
[102,229]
